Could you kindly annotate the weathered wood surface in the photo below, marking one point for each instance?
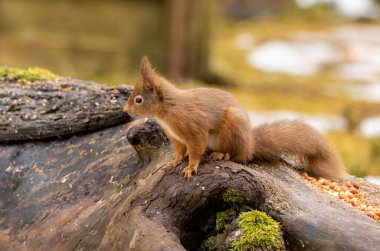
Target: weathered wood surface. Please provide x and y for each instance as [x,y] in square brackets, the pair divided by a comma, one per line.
[105,190]
[92,192]
[56,108]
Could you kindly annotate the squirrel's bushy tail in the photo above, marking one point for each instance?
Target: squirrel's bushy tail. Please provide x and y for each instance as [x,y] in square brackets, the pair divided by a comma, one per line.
[295,138]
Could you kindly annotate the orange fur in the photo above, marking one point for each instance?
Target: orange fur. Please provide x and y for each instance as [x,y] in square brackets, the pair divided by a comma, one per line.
[294,138]
[203,119]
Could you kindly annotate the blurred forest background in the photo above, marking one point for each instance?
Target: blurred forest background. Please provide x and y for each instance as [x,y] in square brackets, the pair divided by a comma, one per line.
[316,60]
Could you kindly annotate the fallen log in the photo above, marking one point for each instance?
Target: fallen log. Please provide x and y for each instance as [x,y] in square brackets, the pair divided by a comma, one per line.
[106,190]
[55,108]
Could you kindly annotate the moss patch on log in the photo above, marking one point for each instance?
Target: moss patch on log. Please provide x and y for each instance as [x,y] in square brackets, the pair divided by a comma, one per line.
[239,227]
[125,181]
[258,230]
[30,74]
[233,198]
[223,219]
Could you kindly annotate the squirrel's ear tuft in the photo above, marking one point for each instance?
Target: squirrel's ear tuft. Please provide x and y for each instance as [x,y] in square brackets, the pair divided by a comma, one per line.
[145,67]
[147,73]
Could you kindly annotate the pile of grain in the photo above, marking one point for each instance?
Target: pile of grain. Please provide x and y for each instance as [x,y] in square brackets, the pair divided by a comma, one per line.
[350,192]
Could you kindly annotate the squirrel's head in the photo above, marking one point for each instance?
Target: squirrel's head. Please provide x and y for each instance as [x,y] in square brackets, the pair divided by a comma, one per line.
[146,95]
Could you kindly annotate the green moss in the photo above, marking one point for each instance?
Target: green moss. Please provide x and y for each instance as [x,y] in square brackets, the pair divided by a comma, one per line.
[234,198]
[30,74]
[210,243]
[258,230]
[125,181]
[221,220]
[224,218]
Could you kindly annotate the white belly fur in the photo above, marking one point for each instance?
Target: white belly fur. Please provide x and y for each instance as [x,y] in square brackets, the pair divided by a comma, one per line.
[213,142]
[167,129]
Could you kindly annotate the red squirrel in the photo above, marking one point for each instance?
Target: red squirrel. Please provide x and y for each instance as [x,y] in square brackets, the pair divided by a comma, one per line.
[201,119]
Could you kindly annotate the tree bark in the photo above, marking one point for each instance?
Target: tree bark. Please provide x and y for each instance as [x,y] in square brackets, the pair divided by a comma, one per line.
[56,108]
[106,190]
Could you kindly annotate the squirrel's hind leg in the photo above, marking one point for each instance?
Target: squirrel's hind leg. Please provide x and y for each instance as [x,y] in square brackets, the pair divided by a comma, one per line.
[235,136]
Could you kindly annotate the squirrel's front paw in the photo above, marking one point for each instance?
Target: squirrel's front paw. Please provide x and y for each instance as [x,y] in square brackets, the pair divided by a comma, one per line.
[171,165]
[188,171]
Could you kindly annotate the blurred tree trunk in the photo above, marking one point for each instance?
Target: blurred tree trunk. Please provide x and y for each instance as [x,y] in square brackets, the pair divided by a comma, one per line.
[188,38]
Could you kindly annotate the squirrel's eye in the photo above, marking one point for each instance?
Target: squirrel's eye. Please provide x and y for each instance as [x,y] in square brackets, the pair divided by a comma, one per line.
[139,100]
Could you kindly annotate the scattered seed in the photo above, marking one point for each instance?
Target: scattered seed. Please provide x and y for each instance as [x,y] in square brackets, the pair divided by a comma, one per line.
[355,184]
[348,192]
